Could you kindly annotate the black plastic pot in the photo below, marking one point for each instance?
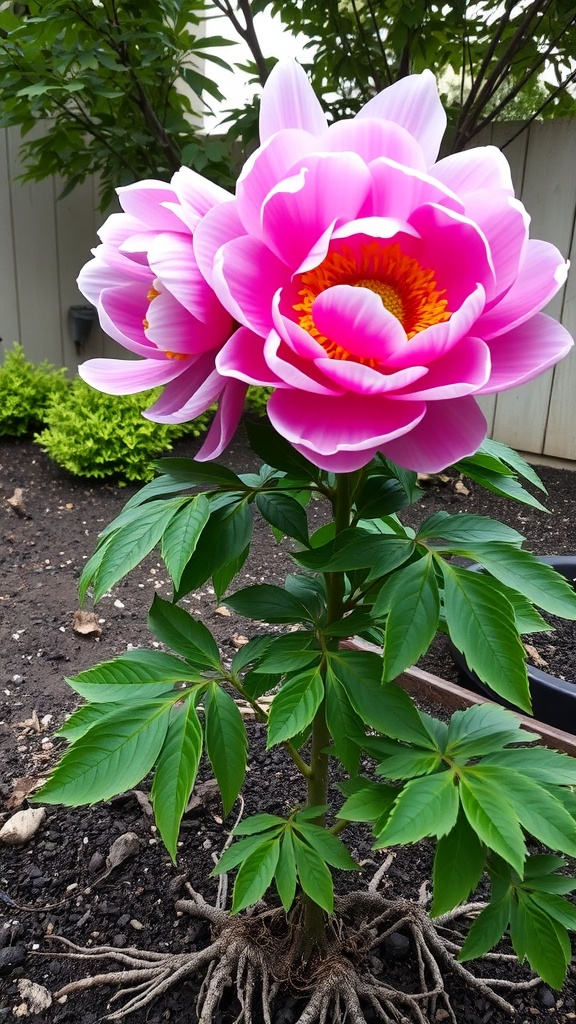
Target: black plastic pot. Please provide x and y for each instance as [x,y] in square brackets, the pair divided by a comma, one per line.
[553,699]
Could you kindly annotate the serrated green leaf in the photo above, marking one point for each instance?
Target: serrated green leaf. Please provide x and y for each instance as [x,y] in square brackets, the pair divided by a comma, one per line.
[224,538]
[481,625]
[251,652]
[294,706]
[289,652]
[358,549]
[222,577]
[458,866]
[310,590]
[314,876]
[536,936]
[258,823]
[522,571]
[267,603]
[126,548]
[255,875]
[538,763]
[182,535]
[190,638]
[486,930]
[541,864]
[113,756]
[284,513]
[412,600]
[194,473]
[83,719]
[554,906]
[510,457]
[425,807]
[482,729]
[328,847]
[367,801]
[226,743]
[239,851]
[176,772]
[380,496]
[409,764]
[494,819]
[255,684]
[285,874]
[273,449]
[383,706]
[133,676]
[506,486]
[465,528]
[344,724]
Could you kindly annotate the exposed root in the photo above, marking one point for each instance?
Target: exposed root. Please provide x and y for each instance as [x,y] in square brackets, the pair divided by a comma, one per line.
[255,956]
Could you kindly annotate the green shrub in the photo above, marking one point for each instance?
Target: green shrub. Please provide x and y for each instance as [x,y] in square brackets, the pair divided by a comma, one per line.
[257,400]
[96,435]
[26,392]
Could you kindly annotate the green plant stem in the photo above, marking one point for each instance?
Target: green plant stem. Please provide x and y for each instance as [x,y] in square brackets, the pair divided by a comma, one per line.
[313,938]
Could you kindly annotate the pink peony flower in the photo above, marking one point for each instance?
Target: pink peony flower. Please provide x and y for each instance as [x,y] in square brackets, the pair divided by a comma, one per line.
[388,289]
[152,299]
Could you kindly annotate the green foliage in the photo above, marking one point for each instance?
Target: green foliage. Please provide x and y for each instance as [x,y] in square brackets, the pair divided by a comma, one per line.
[94,435]
[26,392]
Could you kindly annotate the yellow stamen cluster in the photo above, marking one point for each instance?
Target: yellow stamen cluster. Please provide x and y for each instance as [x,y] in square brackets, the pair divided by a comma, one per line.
[408,290]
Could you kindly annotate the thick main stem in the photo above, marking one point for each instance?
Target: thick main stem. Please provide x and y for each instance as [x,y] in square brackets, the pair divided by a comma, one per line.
[314,938]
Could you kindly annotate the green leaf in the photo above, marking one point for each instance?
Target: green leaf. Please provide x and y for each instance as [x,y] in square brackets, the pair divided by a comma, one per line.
[358,549]
[328,847]
[409,763]
[522,571]
[535,934]
[255,875]
[197,473]
[113,756]
[344,724]
[554,906]
[258,823]
[466,529]
[482,729]
[486,930]
[538,763]
[240,851]
[182,535]
[289,652]
[380,496]
[226,743]
[314,876]
[133,676]
[507,487]
[368,801]
[251,652]
[223,576]
[542,864]
[126,548]
[267,603]
[481,625]
[383,706]
[284,513]
[176,772]
[83,719]
[310,590]
[224,538]
[493,818]
[412,601]
[425,807]
[285,874]
[176,628]
[294,706]
[276,451]
[511,458]
[458,866]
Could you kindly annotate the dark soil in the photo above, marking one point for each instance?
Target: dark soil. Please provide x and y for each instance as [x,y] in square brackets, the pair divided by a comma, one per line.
[41,556]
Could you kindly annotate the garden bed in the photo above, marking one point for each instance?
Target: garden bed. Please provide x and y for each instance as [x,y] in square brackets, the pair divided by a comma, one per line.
[43,546]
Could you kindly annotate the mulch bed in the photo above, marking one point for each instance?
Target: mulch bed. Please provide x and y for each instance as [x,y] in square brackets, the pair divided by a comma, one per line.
[41,556]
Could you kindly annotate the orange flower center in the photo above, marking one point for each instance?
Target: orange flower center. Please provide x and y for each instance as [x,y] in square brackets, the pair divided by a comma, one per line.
[408,290]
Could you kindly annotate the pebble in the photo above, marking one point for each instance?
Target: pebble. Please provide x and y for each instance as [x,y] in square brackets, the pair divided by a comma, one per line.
[96,862]
[11,957]
[547,997]
[397,946]
[120,940]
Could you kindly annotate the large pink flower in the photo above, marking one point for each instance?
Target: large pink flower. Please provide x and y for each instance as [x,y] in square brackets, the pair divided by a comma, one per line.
[153,300]
[388,289]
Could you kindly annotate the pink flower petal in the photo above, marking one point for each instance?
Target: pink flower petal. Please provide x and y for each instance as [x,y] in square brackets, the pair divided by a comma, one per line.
[456,250]
[174,329]
[118,227]
[412,102]
[461,371]
[358,321]
[504,222]
[196,194]
[542,272]
[356,377]
[100,273]
[127,376]
[268,165]
[220,225]
[397,191]
[225,422]
[246,276]
[288,101]
[203,394]
[371,138]
[449,431]
[473,169]
[196,370]
[122,311]
[294,372]
[144,199]
[300,209]
[242,357]
[327,425]
[172,261]
[526,351]
[432,343]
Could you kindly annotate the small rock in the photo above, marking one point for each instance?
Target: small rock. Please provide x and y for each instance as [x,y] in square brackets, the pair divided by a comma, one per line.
[37,997]
[22,826]
[119,940]
[547,997]
[11,957]
[136,925]
[223,610]
[397,946]
[127,845]
[96,862]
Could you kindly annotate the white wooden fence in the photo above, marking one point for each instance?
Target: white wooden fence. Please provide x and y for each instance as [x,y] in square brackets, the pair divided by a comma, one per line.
[44,243]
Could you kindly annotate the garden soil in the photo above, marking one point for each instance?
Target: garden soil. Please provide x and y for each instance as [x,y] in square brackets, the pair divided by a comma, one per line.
[60,875]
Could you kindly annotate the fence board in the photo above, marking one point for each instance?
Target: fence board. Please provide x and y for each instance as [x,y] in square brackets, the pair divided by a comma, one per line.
[9,313]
